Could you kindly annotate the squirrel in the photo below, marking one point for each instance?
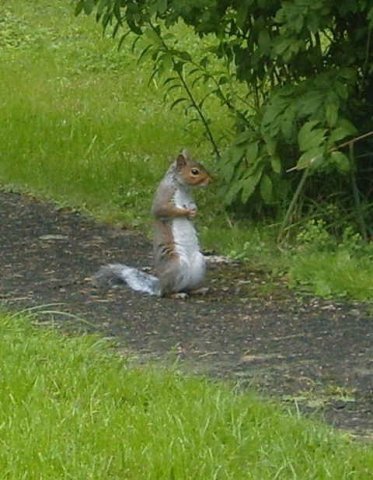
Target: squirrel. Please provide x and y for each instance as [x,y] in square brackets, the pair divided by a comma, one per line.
[179,264]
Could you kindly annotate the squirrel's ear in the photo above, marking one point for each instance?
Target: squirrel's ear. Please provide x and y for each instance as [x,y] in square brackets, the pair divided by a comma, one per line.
[185,153]
[182,159]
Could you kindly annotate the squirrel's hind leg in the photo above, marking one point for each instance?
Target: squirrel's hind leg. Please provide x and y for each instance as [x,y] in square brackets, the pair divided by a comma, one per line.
[171,277]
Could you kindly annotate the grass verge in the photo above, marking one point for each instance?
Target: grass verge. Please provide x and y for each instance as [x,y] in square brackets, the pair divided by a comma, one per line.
[71,408]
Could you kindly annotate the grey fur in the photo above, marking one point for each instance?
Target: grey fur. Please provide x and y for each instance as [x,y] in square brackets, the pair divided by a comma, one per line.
[179,263]
[116,273]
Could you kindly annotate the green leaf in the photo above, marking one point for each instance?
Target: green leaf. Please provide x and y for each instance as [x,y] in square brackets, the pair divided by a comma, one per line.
[165,63]
[236,153]
[252,151]
[338,134]
[282,44]
[185,56]
[223,80]
[231,194]
[311,158]
[264,42]
[102,5]
[79,7]
[310,137]
[331,113]
[230,160]
[145,54]
[242,13]
[161,6]
[250,182]
[310,102]
[287,123]
[266,189]
[271,145]
[341,90]
[276,164]
[88,6]
[341,161]
[243,137]
[280,106]
[153,36]
[343,130]
[177,101]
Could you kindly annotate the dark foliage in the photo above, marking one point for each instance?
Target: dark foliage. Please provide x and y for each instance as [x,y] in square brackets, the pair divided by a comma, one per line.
[304,107]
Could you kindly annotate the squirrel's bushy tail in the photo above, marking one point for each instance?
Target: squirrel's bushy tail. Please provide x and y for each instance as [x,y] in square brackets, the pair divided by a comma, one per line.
[136,279]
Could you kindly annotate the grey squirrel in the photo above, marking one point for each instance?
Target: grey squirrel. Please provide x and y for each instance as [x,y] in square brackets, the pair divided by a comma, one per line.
[179,264]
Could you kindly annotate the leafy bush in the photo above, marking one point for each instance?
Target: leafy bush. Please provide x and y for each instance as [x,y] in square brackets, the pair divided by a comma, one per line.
[297,78]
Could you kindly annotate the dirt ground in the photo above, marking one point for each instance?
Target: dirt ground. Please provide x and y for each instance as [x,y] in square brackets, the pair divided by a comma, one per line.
[304,350]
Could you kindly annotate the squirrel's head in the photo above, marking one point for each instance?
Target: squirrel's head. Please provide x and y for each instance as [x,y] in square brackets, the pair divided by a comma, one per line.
[191,172]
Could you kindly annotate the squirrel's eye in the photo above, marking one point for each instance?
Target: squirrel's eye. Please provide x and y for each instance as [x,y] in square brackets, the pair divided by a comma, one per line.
[195,171]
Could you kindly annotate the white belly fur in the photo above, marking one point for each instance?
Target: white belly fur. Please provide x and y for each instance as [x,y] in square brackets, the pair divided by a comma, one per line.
[192,262]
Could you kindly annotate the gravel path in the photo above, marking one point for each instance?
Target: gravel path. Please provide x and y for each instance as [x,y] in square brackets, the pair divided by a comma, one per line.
[314,351]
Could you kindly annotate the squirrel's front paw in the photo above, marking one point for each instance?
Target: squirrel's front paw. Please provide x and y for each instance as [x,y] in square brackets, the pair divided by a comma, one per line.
[192,212]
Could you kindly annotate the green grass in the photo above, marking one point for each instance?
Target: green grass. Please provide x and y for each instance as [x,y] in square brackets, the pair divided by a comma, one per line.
[341,268]
[79,124]
[70,408]
[333,274]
